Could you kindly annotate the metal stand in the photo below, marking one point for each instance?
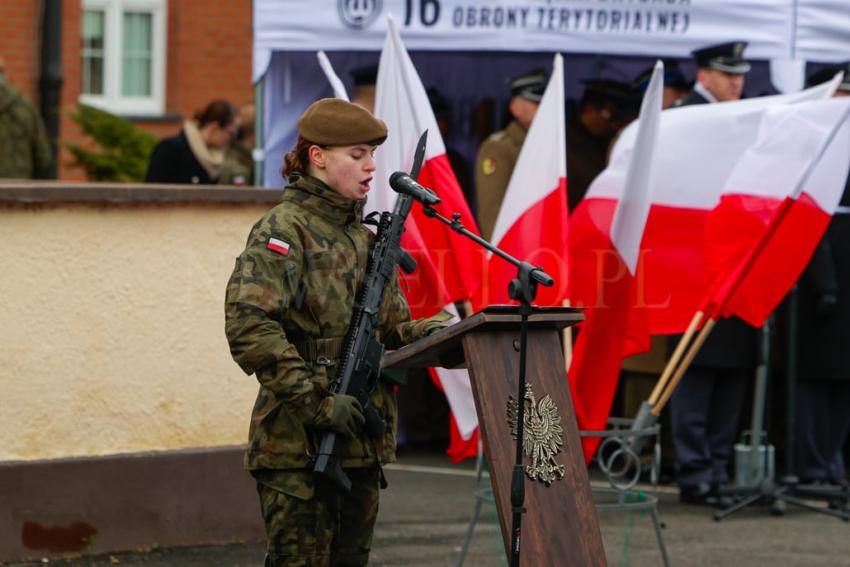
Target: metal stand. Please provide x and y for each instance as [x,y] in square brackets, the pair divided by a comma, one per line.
[762,488]
[622,469]
[621,466]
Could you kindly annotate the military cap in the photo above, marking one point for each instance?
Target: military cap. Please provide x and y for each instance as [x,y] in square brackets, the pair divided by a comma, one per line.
[673,77]
[827,73]
[335,122]
[529,85]
[617,96]
[367,75]
[727,57]
[607,90]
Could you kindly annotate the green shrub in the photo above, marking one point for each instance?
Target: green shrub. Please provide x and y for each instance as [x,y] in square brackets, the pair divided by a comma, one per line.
[121,151]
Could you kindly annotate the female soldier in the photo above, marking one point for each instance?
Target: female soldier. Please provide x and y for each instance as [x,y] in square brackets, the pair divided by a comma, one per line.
[288,307]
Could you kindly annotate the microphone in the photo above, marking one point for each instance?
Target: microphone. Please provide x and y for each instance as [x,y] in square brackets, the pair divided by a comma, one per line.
[403,183]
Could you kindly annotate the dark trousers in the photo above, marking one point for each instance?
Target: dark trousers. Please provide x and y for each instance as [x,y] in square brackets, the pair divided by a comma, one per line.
[705,409]
[823,423]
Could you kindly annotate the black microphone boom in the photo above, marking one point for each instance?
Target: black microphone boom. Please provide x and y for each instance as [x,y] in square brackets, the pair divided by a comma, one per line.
[403,183]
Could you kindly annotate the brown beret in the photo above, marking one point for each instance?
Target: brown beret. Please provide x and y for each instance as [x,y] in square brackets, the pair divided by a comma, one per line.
[335,122]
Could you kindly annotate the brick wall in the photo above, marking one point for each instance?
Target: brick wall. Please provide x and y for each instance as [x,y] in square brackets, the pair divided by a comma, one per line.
[19,44]
[208,56]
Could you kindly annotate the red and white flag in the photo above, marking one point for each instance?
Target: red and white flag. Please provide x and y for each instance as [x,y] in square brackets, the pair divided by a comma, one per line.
[449,265]
[532,221]
[701,150]
[612,245]
[776,206]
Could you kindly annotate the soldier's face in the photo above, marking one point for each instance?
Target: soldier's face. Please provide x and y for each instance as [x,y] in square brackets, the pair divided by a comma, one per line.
[348,170]
[722,85]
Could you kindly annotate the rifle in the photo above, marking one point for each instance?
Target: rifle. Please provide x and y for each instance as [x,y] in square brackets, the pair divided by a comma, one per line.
[360,365]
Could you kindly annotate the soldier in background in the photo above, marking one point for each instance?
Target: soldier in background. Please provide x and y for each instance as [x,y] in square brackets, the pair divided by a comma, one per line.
[25,151]
[823,337]
[676,86]
[238,167]
[601,113]
[365,80]
[288,307]
[706,406]
[498,153]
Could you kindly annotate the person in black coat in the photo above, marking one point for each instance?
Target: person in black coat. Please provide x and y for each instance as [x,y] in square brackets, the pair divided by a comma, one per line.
[706,406]
[196,154]
[823,342]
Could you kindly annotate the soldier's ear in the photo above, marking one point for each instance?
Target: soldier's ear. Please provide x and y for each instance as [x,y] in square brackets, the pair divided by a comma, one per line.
[317,156]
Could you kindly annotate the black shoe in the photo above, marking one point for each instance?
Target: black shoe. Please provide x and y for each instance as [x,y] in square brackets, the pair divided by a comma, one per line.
[704,494]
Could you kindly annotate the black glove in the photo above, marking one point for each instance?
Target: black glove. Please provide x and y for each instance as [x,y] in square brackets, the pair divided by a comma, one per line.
[346,415]
[825,306]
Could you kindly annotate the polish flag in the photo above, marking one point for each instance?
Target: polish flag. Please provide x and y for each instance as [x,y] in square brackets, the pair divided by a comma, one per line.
[449,265]
[612,246]
[758,242]
[698,149]
[532,221]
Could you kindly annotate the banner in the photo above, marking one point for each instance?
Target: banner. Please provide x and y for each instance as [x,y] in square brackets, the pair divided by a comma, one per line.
[806,29]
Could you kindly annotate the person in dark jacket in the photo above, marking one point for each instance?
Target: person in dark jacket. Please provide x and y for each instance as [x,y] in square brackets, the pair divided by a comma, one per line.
[707,404]
[196,154]
[592,125]
[823,337]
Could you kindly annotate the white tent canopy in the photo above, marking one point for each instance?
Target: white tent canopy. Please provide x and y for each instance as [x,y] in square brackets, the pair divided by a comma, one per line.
[787,33]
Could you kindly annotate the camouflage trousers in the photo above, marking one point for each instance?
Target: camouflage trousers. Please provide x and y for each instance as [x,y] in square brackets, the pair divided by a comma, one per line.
[328,529]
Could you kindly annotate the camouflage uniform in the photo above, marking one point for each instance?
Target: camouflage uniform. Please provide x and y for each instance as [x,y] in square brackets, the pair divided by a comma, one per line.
[496,160]
[287,311]
[25,151]
[238,167]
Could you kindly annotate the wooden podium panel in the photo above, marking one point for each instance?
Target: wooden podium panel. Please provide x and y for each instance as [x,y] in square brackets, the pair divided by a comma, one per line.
[560,526]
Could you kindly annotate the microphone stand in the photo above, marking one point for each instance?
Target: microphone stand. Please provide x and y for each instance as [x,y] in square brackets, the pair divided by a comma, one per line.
[523,288]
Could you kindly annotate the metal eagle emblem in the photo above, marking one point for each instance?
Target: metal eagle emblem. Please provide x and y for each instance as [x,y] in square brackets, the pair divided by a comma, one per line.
[542,435]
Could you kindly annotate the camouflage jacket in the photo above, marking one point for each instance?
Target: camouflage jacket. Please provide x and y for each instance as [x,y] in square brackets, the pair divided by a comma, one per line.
[238,167]
[24,147]
[295,283]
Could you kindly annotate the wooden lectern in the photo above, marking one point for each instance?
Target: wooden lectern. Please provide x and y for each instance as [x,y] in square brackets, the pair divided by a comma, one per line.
[560,526]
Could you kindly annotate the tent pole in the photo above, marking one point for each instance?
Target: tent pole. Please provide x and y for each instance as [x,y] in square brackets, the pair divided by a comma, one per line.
[259,135]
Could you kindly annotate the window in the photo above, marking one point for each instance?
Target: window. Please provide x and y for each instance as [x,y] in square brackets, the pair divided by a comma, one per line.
[123,56]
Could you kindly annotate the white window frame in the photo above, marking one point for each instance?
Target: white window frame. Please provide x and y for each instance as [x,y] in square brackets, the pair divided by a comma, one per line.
[112,100]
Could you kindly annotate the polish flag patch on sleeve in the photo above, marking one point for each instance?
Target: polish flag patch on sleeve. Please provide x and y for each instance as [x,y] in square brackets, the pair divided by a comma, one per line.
[278,245]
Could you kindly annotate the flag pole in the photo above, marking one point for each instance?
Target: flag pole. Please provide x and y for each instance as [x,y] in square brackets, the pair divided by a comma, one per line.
[567,338]
[675,358]
[686,363]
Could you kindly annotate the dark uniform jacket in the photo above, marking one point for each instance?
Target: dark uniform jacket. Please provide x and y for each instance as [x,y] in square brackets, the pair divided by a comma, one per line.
[173,161]
[693,98]
[291,297]
[587,156]
[493,168]
[732,343]
[823,332]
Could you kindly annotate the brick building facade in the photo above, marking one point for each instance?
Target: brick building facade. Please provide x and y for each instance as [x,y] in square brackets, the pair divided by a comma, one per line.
[192,51]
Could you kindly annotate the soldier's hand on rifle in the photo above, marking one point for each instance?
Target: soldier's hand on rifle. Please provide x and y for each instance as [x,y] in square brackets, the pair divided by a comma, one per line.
[346,415]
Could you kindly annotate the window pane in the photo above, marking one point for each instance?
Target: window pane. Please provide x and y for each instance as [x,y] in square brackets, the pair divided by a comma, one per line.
[137,56]
[92,52]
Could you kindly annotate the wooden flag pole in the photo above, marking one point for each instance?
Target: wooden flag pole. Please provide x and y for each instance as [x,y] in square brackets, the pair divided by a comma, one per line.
[676,357]
[567,338]
[680,371]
